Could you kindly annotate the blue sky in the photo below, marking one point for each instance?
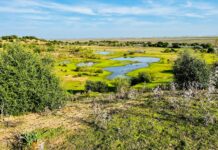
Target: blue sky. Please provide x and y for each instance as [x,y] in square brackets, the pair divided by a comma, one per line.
[65,19]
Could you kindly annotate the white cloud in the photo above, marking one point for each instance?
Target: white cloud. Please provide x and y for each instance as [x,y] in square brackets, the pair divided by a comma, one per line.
[33,6]
[11,9]
[67,8]
[135,10]
[193,15]
[152,8]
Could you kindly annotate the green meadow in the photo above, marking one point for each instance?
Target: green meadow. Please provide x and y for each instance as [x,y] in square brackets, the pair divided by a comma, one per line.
[161,71]
[65,113]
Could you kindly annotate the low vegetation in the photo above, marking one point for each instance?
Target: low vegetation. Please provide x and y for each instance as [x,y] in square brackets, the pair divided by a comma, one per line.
[96,86]
[171,104]
[159,120]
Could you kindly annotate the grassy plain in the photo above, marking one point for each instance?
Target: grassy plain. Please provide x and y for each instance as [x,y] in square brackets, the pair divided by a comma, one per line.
[160,71]
[149,119]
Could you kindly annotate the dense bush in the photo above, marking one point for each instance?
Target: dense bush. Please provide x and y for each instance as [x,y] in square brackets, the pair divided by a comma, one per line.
[27,84]
[121,83]
[98,71]
[36,49]
[30,37]
[169,50]
[121,86]
[50,49]
[206,45]
[162,44]
[96,86]
[176,45]
[211,50]
[142,77]
[189,70]
[10,37]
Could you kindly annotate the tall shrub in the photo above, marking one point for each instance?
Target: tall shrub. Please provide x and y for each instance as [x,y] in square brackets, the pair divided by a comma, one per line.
[96,86]
[188,70]
[27,84]
[121,84]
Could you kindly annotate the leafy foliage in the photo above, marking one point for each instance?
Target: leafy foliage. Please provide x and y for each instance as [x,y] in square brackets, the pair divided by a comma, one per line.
[211,50]
[96,86]
[121,84]
[27,84]
[188,70]
[50,49]
[142,77]
[170,50]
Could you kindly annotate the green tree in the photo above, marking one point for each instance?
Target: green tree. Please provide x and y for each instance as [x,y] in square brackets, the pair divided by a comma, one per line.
[27,84]
[188,70]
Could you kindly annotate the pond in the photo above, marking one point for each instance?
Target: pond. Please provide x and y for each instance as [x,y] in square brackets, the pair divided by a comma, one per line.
[103,52]
[85,64]
[139,62]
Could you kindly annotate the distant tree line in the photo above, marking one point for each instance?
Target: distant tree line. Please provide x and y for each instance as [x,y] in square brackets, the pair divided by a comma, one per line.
[202,47]
[140,43]
[15,37]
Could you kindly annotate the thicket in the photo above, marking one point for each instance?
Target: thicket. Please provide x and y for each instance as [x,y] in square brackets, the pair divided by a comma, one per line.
[169,50]
[118,85]
[11,37]
[211,50]
[189,70]
[142,77]
[121,84]
[96,86]
[27,84]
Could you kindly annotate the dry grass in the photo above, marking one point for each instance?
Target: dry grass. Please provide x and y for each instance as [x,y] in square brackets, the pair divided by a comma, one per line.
[67,117]
[71,118]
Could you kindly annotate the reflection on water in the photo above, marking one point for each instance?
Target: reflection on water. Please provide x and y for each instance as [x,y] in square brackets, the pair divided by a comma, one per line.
[140,62]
